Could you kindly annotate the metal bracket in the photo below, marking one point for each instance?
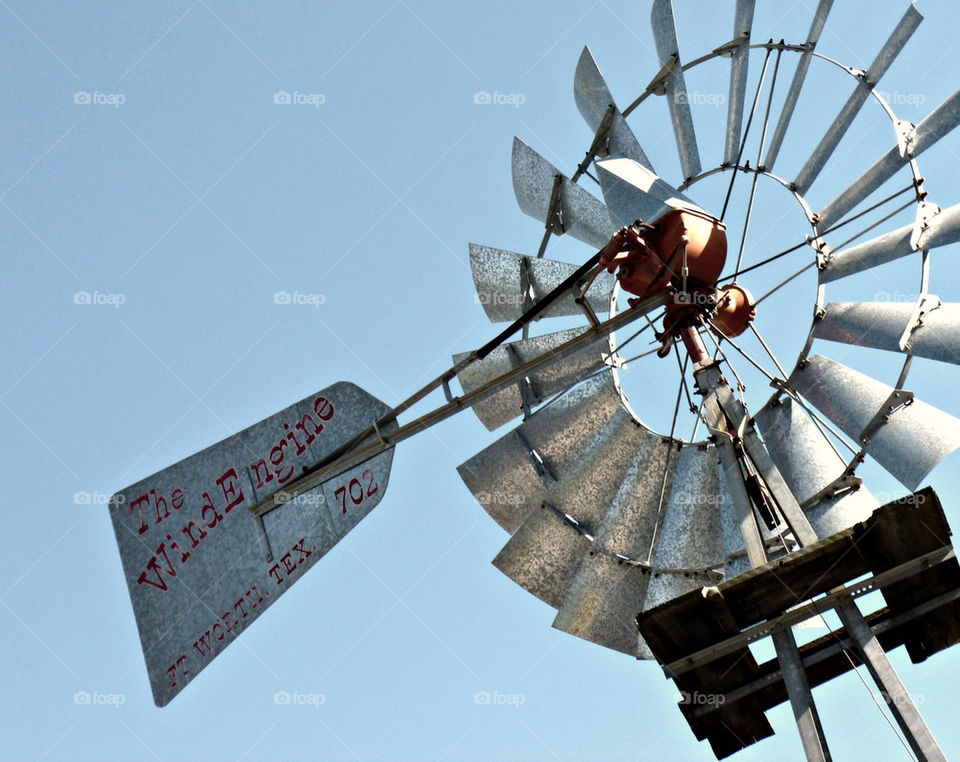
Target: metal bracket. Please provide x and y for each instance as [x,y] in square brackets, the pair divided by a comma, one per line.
[545,474]
[897,400]
[916,318]
[554,221]
[846,482]
[526,285]
[658,85]
[926,211]
[527,398]
[905,137]
[601,140]
[729,48]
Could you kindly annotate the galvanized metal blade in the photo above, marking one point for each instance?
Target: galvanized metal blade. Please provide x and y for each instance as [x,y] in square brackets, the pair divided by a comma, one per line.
[690,538]
[678,101]
[941,228]
[507,283]
[824,150]
[938,123]
[200,567]
[906,436]
[594,100]
[608,589]
[511,477]
[535,387]
[545,552]
[927,328]
[573,210]
[796,85]
[632,192]
[812,469]
[742,23]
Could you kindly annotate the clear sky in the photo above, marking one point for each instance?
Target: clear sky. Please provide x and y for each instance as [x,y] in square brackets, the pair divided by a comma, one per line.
[145,161]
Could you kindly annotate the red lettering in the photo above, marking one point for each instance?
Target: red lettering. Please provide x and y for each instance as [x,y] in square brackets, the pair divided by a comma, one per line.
[290,435]
[311,435]
[304,553]
[323,408]
[157,501]
[275,573]
[227,483]
[288,563]
[239,605]
[188,531]
[203,645]
[208,506]
[276,457]
[261,480]
[138,504]
[154,567]
[176,499]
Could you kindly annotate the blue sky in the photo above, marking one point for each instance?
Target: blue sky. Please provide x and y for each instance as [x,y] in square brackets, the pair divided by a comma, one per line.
[146,163]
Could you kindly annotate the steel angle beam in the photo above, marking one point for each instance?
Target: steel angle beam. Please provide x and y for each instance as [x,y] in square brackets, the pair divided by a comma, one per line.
[810,467]
[940,122]
[594,102]
[196,560]
[536,386]
[678,101]
[796,85]
[891,48]
[506,282]
[511,477]
[742,22]
[631,192]
[926,329]
[909,442]
[568,209]
[610,584]
[938,230]
[545,552]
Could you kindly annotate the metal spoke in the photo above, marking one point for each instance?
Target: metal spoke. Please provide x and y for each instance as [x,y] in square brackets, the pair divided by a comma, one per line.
[756,175]
[783,283]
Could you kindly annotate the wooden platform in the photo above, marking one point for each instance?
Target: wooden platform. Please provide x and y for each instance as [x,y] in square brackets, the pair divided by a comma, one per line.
[701,638]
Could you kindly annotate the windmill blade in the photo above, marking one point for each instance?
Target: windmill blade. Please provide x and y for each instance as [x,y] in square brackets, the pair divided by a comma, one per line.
[607,589]
[796,85]
[594,100]
[537,387]
[908,440]
[742,22]
[506,282]
[510,478]
[690,538]
[545,552]
[926,329]
[632,191]
[942,120]
[575,211]
[678,101]
[941,228]
[898,38]
[809,465]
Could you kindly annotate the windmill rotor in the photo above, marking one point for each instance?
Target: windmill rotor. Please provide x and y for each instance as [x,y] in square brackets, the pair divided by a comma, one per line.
[610,519]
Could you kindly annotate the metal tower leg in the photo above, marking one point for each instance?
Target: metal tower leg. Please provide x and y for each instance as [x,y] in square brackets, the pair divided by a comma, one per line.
[801,699]
[901,704]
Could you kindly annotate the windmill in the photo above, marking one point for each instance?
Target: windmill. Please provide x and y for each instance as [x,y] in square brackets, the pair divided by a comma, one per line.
[616,520]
